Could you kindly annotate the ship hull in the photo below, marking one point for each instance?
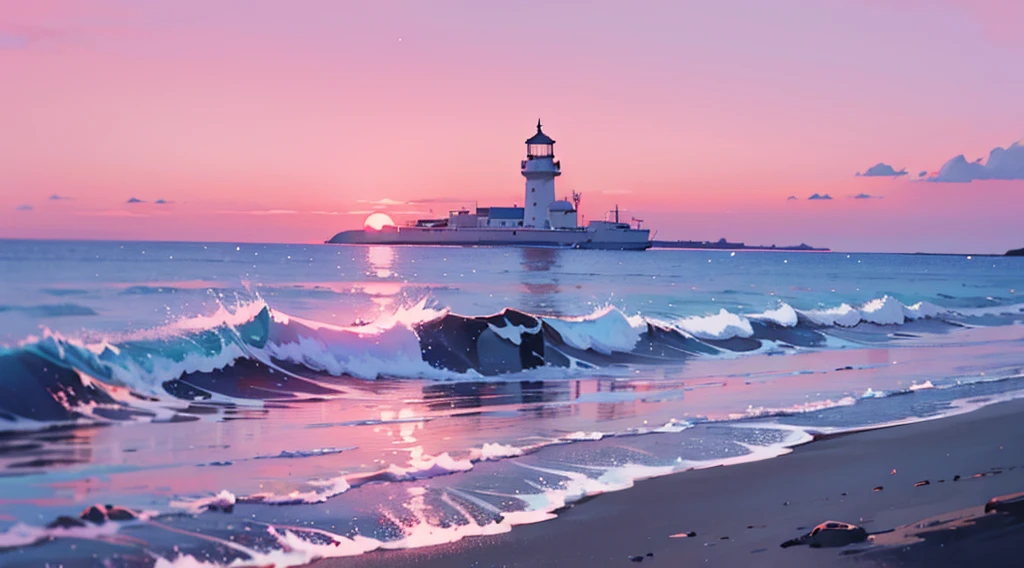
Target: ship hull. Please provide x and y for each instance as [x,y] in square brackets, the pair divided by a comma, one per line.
[622,239]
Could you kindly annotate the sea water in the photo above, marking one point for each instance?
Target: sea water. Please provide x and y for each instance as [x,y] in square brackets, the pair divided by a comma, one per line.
[280,403]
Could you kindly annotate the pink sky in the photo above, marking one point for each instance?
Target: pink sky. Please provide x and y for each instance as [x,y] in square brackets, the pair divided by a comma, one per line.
[261,120]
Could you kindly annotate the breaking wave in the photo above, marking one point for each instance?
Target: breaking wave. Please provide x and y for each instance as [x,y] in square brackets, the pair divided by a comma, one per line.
[53,378]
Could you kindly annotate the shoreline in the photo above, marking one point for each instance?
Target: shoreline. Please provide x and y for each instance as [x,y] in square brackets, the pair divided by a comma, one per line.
[305,243]
[742,513]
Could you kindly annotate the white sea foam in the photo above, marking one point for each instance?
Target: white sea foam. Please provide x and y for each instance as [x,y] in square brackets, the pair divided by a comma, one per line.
[21,534]
[784,315]
[842,315]
[494,451]
[323,490]
[581,436]
[315,452]
[871,393]
[607,330]
[813,406]
[423,466]
[222,500]
[723,325]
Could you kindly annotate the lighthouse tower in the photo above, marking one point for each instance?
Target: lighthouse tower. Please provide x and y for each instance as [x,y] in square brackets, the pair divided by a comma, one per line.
[540,170]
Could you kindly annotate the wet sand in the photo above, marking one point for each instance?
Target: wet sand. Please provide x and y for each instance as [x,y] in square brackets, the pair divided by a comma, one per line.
[742,514]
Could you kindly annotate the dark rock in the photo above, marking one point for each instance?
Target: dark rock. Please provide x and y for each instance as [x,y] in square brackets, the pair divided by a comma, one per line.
[1012,504]
[95,514]
[221,508]
[120,514]
[649,555]
[830,534]
[636,558]
[956,478]
[65,522]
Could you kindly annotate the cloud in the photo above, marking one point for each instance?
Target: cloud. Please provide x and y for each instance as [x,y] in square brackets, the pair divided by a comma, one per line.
[383,201]
[56,197]
[11,40]
[866,196]
[24,208]
[161,202]
[111,213]
[1003,164]
[439,200]
[134,200]
[922,173]
[791,198]
[882,170]
[817,197]
[277,212]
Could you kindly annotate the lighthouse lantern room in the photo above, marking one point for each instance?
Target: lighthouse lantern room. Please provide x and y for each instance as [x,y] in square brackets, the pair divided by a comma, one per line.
[540,170]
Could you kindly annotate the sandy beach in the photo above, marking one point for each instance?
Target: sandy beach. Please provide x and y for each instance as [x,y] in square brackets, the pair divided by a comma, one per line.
[742,514]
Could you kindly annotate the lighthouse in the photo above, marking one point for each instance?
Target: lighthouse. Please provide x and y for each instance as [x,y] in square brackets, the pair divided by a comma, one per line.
[540,170]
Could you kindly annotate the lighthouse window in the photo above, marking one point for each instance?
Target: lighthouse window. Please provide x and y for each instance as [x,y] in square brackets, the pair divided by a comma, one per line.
[534,203]
[533,189]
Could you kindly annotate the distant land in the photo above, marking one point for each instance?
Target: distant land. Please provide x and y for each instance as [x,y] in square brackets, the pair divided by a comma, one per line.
[1015,252]
[722,244]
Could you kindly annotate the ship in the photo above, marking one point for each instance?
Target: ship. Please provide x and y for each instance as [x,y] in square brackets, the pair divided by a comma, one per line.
[542,221]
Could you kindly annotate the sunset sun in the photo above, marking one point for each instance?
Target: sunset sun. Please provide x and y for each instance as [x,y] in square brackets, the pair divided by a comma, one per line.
[378,221]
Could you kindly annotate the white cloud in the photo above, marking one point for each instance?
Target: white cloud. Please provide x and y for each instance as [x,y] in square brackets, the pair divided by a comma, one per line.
[277,212]
[10,40]
[882,170]
[1002,164]
[384,201]
[110,213]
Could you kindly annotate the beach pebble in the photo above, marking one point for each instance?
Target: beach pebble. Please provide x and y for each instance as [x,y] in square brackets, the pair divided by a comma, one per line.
[636,558]
[1012,504]
[879,488]
[690,534]
[830,534]
[922,483]
[956,478]
[95,514]
[65,522]
[120,514]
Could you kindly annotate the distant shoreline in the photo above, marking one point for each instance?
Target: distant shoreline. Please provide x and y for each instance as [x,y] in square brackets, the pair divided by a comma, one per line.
[656,246]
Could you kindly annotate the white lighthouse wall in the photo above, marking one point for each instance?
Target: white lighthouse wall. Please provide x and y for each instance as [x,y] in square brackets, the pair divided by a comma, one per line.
[540,194]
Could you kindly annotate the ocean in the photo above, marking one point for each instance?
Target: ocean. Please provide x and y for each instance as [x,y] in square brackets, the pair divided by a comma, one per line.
[274,404]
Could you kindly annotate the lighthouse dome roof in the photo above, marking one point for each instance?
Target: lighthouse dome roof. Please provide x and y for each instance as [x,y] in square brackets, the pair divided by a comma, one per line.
[560,206]
[540,137]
